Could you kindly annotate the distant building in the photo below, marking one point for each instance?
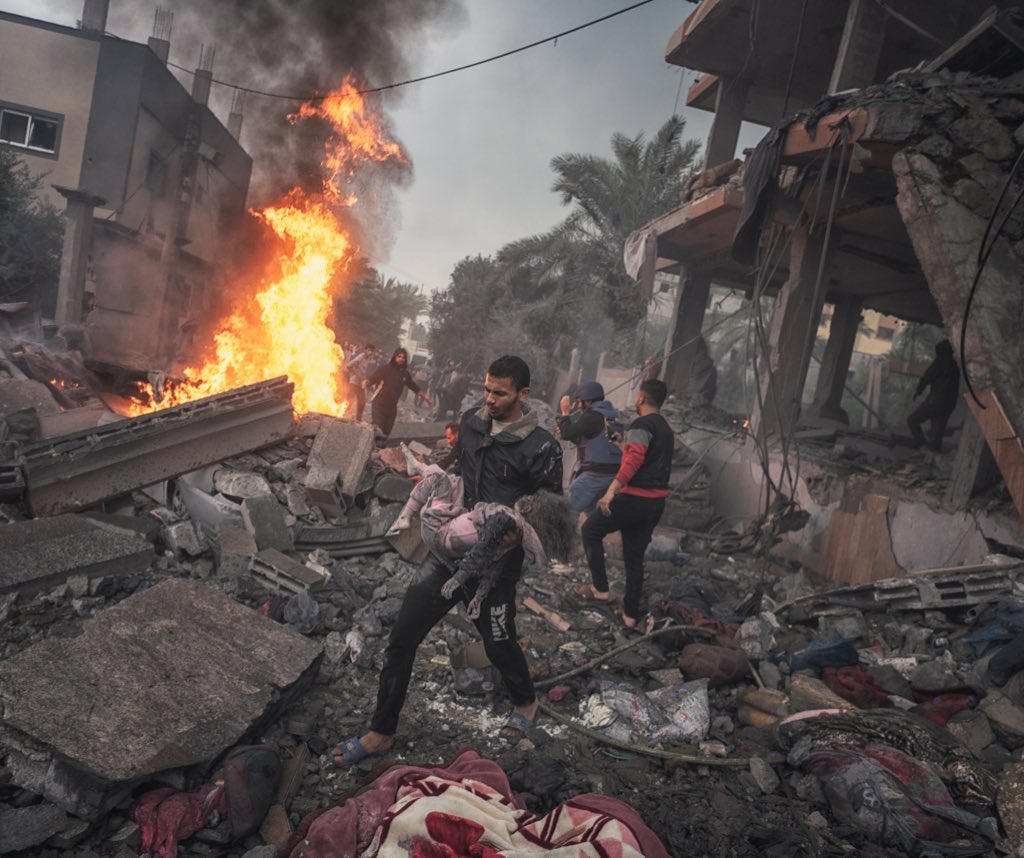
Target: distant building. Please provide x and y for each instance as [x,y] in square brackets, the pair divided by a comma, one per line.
[154,185]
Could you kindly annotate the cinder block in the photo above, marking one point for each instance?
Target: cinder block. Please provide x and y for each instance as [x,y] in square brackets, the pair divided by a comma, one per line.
[345,447]
[265,519]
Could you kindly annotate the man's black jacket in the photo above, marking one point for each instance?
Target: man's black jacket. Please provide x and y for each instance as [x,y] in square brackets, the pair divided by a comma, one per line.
[502,468]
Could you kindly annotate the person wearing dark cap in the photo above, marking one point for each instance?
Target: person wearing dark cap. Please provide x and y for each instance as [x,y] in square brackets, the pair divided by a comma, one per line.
[943,379]
[586,420]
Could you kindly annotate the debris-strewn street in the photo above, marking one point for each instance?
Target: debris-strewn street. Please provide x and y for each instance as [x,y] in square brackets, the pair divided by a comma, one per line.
[118,676]
[690,523]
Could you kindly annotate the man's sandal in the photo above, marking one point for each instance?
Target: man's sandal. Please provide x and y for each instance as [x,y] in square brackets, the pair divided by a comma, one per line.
[352,752]
[518,725]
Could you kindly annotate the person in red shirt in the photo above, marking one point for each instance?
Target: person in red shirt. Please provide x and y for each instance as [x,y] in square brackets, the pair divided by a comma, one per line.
[635,500]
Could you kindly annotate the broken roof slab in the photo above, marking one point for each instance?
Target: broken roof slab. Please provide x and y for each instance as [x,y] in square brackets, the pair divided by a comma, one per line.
[39,554]
[159,685]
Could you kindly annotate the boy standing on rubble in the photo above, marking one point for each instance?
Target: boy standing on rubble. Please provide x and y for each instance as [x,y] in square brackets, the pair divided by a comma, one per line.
[634,501]
[503,455]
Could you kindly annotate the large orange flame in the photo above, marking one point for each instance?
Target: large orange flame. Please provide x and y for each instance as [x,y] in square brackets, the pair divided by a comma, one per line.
[284,330]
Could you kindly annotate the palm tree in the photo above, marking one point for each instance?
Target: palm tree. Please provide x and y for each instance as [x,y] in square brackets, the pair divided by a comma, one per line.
[373,309]
[582,256]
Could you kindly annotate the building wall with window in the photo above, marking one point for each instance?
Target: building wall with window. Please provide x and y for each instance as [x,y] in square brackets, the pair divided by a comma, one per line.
[47,73]
[119,119]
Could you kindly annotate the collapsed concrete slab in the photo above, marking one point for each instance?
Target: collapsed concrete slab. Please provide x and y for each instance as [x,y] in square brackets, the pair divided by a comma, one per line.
[155,688]
[77,471]
[36,555]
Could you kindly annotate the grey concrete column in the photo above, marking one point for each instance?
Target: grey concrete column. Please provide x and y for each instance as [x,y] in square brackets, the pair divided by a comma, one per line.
[730,103]
[860,46]
[687,323]
[793,326]
[835,363]
[74,255]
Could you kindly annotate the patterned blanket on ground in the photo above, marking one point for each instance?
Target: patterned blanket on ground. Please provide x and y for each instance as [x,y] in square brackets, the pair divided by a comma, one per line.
[468,810]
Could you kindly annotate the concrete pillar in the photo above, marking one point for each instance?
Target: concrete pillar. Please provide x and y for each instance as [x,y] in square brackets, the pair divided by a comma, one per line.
[725,127]
[160,47]
[793,327]
[94,16]
[74,255]
[975,468]
[687,323]
[201,82]
[860,46]
[235,125]
[836,362]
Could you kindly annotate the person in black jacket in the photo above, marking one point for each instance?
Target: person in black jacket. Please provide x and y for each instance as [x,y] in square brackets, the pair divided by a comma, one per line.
[390,380]
[503,455]
[943,379]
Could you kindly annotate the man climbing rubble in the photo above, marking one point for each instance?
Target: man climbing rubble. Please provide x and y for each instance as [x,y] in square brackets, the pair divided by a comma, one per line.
[634,501]
[503,455]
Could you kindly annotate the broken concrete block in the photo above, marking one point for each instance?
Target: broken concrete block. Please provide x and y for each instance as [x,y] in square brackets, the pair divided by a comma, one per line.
[409,543]
[295,498]
[24,827]
[394,458]
[240,484]
[345,447]
[26,395]
[36,555]
[1006,718]
[284,574]
[233,549]
[162,683]
[971,727]
[764,775]
[322,489]
[988,136]
[73,831]
[185,538]
[392,488]
[264,518]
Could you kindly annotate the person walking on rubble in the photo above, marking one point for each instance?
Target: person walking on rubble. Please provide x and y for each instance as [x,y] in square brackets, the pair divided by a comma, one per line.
[943,379]
[361,364]
[634,502]
[392,379]
[503,455]
[586,420]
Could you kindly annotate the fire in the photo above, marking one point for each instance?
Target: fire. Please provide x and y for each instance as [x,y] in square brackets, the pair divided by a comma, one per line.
[284,329]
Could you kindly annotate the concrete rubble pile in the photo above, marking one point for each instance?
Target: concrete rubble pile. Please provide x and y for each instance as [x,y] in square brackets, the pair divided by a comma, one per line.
[763,703]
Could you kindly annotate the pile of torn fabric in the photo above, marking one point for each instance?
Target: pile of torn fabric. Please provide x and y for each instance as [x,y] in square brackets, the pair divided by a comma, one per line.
[467,808]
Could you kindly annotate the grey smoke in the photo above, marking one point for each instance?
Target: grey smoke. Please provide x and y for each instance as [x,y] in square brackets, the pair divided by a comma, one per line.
[295,46]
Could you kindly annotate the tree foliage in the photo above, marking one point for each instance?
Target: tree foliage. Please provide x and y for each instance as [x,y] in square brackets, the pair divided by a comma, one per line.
[374,309]
[568,287]
[31,235]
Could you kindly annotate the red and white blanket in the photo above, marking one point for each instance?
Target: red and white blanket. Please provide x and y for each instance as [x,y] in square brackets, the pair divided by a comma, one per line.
[468,810]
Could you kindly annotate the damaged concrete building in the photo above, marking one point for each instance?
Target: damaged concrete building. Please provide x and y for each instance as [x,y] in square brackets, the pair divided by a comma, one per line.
[152,184]
[884,183]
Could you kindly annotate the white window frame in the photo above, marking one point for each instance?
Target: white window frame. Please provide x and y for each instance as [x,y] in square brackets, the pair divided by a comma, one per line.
[33,117]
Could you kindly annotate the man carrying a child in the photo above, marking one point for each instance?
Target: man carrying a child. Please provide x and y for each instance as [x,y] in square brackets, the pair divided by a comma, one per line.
[503,455]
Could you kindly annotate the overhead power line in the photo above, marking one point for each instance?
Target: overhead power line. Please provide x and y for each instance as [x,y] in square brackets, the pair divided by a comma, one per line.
[370,90]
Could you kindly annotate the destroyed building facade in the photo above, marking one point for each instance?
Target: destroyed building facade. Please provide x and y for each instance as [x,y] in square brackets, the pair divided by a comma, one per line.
[893,130]
[152,184]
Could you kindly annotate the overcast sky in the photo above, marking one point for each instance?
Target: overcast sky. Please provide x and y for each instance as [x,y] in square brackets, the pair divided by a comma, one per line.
[481,140]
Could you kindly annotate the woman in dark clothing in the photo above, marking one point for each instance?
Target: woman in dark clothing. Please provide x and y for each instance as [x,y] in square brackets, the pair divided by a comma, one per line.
[392,378]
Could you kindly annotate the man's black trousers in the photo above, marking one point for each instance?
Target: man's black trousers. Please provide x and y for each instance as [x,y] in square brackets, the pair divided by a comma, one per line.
[423,608]
[636,517]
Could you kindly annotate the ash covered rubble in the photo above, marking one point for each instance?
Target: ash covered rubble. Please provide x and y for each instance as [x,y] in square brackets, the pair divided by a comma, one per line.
[917,701]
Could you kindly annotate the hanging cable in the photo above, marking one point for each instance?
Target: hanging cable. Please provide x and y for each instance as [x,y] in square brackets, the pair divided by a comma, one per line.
[370,90]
